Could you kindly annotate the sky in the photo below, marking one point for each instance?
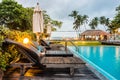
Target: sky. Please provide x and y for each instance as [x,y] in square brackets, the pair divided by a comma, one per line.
[60,9]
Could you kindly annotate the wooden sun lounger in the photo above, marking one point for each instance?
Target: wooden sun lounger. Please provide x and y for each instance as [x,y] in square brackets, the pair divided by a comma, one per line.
[63,62]
[47,61]
[27,50]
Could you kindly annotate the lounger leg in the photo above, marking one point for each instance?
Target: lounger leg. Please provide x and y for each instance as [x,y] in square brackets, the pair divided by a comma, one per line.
[71,71]
[22,70]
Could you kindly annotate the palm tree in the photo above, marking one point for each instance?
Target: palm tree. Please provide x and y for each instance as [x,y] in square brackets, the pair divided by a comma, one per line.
[77,23]
[74,14]
[85,20]
[118,8]
[94,23]
[79,20]
[103,21]
[107,23]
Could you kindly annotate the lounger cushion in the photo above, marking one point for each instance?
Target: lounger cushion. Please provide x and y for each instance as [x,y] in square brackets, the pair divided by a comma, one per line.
[40,48]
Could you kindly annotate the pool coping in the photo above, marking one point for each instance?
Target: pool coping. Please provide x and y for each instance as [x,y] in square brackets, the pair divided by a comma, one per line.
[97,73]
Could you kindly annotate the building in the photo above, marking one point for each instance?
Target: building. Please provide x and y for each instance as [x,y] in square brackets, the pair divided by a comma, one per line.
[94,35]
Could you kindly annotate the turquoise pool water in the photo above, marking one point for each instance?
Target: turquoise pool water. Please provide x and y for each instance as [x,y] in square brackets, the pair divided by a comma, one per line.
[105,59]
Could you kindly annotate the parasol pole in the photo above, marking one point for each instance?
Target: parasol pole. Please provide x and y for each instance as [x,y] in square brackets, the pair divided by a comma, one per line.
[38,37]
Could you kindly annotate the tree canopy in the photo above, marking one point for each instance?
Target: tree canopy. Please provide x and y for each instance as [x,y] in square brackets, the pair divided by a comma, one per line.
[15,16]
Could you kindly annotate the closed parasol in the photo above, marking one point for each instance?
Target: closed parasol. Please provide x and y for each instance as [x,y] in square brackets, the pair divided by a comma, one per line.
[38,22]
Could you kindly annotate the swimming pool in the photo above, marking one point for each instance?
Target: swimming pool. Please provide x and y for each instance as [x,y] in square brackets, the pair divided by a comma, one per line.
[105,59]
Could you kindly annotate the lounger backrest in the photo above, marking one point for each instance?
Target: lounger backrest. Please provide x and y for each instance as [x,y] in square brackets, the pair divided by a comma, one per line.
[37,46]
[44,43]
[29,50]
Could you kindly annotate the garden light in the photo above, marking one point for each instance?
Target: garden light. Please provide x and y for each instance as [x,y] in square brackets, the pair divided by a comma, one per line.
[26,41]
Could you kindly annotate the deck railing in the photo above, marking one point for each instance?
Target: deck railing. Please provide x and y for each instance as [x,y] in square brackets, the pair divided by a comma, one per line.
[66,44]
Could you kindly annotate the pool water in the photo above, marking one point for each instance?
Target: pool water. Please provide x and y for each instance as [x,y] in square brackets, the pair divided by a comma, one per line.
[106,59]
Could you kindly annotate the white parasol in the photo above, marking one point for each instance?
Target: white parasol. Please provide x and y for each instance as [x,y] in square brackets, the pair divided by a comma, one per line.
[38,22]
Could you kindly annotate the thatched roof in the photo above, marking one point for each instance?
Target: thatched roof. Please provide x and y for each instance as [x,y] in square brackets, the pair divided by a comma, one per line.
[94,33]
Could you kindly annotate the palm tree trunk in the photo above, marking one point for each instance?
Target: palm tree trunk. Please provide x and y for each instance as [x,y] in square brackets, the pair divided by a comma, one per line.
[105,28]
[77,33]
[85,26]
[79,30]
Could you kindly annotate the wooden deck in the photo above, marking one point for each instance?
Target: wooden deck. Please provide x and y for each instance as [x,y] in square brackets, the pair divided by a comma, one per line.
[57,68]
[117,43]
[51,74]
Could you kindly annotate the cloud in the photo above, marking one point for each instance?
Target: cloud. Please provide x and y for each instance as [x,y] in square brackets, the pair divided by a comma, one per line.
[60,9]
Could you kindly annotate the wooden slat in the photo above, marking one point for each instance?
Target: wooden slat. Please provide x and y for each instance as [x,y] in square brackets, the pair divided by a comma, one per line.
[24,64]
[72,60]
[67,60]
[56,52]
[53,60]
[61,60]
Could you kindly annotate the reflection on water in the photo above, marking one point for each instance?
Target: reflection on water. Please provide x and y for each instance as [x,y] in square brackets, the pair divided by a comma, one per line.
[101,52]
[117,55]
[94,50]
[88,51]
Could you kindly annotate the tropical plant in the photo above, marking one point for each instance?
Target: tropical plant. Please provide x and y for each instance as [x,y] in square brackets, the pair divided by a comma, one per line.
[3,61]
[15,16]
[94,23]
[103,21]
[79,20]
[10,53]
[3,55]
[26,19]
[74,14]
[114,24]
[54,23]
[118,8]
[107,23]
[3,65]
[85,20]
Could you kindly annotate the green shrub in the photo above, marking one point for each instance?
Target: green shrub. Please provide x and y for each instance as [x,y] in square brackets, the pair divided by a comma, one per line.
[10,53]
[2,62]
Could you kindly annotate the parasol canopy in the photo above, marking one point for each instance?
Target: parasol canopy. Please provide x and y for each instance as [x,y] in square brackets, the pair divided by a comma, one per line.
[38,20]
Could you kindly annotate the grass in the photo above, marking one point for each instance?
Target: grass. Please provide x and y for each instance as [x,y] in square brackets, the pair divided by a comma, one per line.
[87,43]
[80,43]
